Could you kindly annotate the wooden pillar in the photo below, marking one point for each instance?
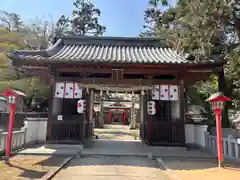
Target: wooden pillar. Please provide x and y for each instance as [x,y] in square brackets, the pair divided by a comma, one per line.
[91,109]
[182,111]
[50,107]
[186,104]
[149,119]
[124,117]
[91,106]
[142,116]
[109,117]
[222,88]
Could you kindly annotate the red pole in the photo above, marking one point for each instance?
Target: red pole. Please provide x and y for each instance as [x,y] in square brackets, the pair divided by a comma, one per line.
[124,117]
[219,138]
[109,117]
[9,136]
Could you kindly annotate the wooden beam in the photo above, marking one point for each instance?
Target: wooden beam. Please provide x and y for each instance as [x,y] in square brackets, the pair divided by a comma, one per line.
[145,71]
[205,70]
[121,83]
[131,68]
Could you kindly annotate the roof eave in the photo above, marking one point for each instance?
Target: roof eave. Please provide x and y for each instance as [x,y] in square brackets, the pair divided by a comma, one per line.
[47,62]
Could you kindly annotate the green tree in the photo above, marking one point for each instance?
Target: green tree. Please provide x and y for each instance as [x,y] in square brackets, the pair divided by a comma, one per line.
[84,20]
[206,30]
[33,36]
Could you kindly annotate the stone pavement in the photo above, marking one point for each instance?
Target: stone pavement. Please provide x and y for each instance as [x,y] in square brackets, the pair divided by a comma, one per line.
[112,168]
[117,155]
[117,132]
[119,141]
[138,148]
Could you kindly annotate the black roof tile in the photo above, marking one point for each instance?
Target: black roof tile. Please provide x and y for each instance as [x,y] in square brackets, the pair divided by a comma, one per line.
[106,49]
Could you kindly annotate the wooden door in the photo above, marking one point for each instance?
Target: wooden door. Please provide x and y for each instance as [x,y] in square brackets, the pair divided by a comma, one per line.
[162,128]
[68,126]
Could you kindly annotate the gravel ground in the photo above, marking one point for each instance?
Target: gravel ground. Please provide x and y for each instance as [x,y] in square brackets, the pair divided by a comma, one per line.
[199,170]
[112,168]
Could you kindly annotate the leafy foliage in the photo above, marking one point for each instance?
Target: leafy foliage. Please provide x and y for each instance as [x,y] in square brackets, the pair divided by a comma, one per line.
[10,78]
[84,20]
[206,30]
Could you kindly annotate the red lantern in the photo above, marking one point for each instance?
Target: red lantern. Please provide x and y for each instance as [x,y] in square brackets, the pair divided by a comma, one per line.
[11,95]
[218,101]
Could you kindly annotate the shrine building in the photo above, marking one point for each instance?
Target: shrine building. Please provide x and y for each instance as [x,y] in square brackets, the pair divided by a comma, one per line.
[81,67]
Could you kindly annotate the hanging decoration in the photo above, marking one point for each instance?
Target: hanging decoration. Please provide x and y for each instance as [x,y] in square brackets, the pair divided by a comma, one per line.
[68,90]
[165,92]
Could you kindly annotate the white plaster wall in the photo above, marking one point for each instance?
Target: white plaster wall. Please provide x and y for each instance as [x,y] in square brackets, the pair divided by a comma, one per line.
[175,109]
[199,134]
[189,133]
[194,134]
[36,130]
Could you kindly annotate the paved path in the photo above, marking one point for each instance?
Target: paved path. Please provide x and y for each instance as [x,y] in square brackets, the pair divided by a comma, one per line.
[120,141]
[112,168]
[138,148]
[117,132]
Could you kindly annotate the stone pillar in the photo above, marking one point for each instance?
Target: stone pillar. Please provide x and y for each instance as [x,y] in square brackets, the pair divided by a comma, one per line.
[133,116]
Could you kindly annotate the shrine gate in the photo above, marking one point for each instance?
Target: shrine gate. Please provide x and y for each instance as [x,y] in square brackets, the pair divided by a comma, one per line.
[80,66]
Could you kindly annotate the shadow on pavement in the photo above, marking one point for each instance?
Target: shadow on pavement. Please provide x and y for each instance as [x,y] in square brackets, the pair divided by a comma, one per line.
[113,161]
[28,173]
[29,167]
[52,161]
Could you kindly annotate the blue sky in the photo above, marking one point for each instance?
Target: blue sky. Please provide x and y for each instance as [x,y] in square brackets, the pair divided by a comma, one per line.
[121,17]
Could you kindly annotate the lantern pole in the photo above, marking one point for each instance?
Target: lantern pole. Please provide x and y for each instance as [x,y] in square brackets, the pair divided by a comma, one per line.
[217,101]
[219,137]
[9,136]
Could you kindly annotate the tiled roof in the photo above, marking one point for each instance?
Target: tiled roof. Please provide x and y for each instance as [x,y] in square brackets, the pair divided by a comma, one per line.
[112,53]
[105,49]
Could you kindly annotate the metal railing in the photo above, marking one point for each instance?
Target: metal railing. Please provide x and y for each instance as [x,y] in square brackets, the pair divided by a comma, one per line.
[231,146]
[19,119]
[18,139]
